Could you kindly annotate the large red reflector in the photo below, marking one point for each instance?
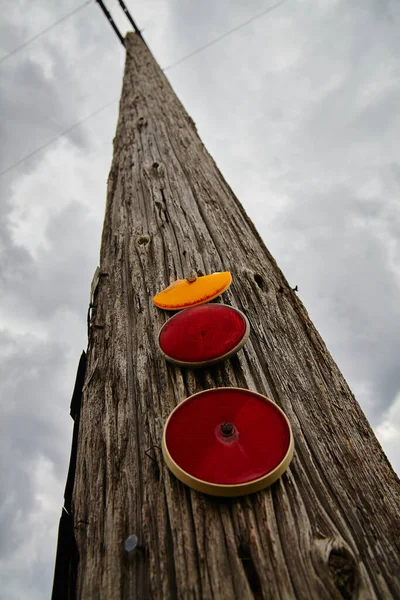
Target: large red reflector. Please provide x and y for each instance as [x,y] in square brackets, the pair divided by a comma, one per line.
[203,334]
[227,442]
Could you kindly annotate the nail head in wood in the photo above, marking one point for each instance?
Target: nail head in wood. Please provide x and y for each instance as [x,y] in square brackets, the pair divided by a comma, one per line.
[131,544]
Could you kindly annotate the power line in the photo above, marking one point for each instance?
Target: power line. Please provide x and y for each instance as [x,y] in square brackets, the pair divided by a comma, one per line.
[109,18]
[197,51]
[129,17]
[38,35]
[57,137]
[224,35]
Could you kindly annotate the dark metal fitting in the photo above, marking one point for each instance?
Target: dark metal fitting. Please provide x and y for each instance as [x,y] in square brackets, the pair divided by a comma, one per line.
[227,429]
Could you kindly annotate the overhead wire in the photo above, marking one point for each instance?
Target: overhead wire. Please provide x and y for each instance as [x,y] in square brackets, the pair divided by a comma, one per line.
[172,65]
[46,30]
[109,18]
[224,35]
[129,17]
[57,137]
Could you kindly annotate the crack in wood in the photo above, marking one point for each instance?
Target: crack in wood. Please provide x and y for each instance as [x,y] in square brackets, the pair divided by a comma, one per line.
[344,572]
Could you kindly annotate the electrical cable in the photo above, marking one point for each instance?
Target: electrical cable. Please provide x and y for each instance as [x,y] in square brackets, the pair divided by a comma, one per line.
[109,18]
[129,17]
[57,137]
[38,35]
[224,35]
[54,139]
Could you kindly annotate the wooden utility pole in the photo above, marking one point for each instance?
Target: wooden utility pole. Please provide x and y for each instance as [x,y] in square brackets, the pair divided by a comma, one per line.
[330,527]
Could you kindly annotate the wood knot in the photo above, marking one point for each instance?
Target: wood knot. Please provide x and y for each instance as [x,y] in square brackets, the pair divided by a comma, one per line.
[260,281]
[143,240]
[158,169]
[141,123]
[343,568]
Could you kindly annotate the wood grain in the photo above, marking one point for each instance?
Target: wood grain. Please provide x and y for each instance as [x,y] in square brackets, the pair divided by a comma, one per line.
[330,527]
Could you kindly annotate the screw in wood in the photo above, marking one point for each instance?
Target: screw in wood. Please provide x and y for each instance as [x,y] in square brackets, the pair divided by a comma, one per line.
[191,277]
[227,429]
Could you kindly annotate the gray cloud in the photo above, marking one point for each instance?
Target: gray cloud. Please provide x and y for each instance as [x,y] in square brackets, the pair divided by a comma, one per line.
[54,82]
[33,111]
[353,281]
[299,109]
[30,424]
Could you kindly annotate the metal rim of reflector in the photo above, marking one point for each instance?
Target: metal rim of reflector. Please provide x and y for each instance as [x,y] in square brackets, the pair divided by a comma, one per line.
[207,363]
[228,490]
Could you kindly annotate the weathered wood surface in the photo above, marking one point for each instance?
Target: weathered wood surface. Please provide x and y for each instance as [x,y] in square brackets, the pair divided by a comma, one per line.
[330,527]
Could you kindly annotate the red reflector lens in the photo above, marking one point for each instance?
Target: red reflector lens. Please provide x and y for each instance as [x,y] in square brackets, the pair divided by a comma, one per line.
[228,436]
[203,334]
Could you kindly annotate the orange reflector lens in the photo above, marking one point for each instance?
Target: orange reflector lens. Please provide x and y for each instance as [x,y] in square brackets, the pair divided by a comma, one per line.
[183,294]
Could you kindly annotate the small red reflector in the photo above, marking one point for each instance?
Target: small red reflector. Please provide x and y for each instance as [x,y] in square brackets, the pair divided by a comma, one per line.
[227,441]
[203,334]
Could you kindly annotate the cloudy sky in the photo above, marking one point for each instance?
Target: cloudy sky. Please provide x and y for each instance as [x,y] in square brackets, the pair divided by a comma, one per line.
[300,109]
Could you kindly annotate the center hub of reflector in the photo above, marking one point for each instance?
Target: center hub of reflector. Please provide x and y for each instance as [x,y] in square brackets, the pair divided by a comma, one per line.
[227,429]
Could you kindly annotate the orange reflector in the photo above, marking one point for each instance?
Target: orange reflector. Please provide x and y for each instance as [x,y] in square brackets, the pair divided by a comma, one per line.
[184,293]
